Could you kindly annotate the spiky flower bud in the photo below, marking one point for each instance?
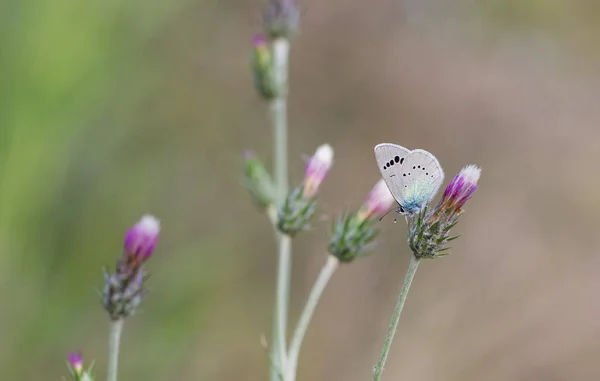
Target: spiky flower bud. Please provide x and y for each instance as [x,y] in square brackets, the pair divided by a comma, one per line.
[262,68]
[352,234]
[429,230]
[296,212]
[76,362]
[300,204]
[75,366]
[281,18]
[124,289]
[350,237]
[257,181]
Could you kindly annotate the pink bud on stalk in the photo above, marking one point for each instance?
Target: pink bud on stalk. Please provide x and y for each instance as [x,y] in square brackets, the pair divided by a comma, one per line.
[76,362]
[379,201]
[261,51]
[141,238]
[317,169]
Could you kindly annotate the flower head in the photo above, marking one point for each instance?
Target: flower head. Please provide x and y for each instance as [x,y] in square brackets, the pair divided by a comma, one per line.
[353,234]
[300,204]
[259,42]
[262,53]
[429,230]
[379,201]
[76,362]
[351,237]
[141,238]
[316,169]
[461,188]
[262,67]
[124,289]
[75,366]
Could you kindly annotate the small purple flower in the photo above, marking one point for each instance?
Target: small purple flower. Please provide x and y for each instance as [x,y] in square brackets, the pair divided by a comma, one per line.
[317,169]
[248,154]
[141,238]
[379,201]
[259,41]
[461,188]
[76,362]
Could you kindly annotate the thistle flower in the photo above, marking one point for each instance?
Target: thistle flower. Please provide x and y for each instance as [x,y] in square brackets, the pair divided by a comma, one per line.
[262,67]
[76,362]
[281,18]
[124,289]
[379,201]
[141,239]
[75,365]
[429,230]
[316,169]
[257,181]
[460,189]
[352,234]
[300,204]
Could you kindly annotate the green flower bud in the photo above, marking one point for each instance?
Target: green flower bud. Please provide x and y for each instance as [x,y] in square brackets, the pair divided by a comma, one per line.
[262,67]
[257,181]
[351,237]
[296,212]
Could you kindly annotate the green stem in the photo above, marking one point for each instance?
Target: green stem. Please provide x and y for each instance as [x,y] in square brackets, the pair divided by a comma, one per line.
[280,149]
[313,299]
[410,274]
[282,296]
[116,327]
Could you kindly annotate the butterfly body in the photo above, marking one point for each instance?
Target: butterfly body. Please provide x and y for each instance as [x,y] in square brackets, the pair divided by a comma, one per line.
[413,177]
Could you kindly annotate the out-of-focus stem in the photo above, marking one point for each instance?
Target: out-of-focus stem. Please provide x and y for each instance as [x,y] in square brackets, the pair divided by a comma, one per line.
[278,108]
[410,274]
[313,299]
[114,340]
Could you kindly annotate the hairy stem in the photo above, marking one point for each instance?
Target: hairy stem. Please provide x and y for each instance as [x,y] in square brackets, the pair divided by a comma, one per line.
[313,299]
[410,274]
[279,118]
[116,327]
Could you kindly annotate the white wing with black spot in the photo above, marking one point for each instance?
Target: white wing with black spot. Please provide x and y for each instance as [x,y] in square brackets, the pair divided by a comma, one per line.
[413,177]
[390,159]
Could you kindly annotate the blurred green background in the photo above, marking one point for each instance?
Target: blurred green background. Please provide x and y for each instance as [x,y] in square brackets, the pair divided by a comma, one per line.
[113,109]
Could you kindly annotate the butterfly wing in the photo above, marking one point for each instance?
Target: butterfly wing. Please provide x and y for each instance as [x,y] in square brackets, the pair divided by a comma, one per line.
[390,160]
[422,176]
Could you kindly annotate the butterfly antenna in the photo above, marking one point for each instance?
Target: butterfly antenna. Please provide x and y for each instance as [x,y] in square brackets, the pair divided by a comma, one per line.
[388,212]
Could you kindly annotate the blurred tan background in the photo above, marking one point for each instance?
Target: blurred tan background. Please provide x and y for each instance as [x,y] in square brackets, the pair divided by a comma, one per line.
[113,109]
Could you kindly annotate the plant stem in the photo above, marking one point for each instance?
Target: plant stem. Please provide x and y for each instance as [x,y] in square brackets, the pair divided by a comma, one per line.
[279,117]
[116,327]
[410,274]
[313,299]
[282,296]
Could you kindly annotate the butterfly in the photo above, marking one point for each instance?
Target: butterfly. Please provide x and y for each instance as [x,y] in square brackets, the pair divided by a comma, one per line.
[413,177]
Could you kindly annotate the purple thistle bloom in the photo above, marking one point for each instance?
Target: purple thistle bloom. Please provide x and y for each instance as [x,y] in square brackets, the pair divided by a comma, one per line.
[317,169]
[76,361]
[461,188]
[429,230]
[141,238]
[124,289]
